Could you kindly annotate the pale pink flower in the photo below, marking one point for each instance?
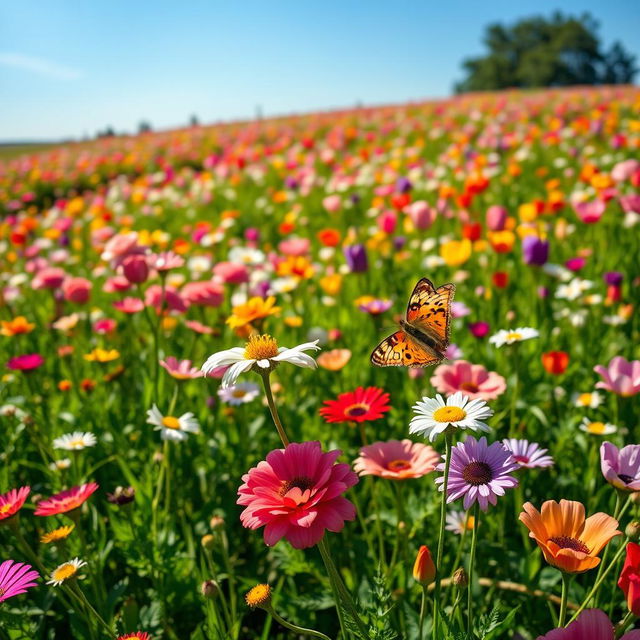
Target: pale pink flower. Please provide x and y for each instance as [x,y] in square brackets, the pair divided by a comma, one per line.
[205,293]
[165,261]
[48,278]
[590,212]
[421,214]
[172,300]
[620,376]
[231,272]
[332,203]
[295,246]
[181,369]
[397,459]
[77,290]
[471,379]
[121,246]
[129,305]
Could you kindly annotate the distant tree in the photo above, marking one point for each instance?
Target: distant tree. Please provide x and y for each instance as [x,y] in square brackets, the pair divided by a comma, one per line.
[144,127]
[541,52]
[194,121]
[107,133]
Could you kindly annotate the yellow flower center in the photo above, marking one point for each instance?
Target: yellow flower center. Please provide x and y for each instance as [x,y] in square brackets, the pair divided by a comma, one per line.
[76,443]
[514,335]
[596,427]
[64,572]
[261,348]
[399,465]
[239,393]
[170,422]
[5,508]
[449,414]
[584,399]
[259,595]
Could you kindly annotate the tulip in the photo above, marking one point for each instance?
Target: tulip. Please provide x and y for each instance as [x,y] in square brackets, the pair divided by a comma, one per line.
[555,362]
[76,290]
[356,256]
[496,218]
[629,580]
[135,268]
[534,250]
[424,570]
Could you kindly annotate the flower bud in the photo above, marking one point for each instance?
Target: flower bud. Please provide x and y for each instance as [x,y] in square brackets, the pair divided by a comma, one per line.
[207,541]
[460,578]
[632,531]
[424,570]
[209,589]
[216,522]
[635,497]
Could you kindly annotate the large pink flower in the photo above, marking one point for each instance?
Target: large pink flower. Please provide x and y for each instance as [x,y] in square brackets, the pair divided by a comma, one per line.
[397,459]
[591,624]
[296,493]
[472,379]
[621,376]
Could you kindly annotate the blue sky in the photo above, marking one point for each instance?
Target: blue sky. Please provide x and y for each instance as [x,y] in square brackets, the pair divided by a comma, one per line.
[69,68]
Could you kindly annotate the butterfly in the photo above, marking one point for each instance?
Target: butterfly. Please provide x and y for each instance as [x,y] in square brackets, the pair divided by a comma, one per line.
[423,335]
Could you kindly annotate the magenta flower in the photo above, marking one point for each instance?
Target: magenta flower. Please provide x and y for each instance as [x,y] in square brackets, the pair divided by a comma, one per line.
[528,454]
[129,305]
[620,376]
[621,467]
[27,362]
[471,379]
[296,493]
[171,301]
[479,329]
[591,624]
[16,578]
[165,261]
[12,501]
[479,472]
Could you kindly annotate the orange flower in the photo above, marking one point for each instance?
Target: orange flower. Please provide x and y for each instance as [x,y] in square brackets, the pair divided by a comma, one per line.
[296,266]
[424,570]
[334,360]
[568,541]
[555,362]
[255,308]
[329,237]
[16,326]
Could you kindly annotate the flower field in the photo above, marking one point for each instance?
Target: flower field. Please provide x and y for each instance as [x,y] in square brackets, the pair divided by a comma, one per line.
[197,442]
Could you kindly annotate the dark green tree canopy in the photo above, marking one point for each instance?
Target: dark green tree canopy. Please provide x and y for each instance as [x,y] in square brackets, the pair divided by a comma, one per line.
[541,52]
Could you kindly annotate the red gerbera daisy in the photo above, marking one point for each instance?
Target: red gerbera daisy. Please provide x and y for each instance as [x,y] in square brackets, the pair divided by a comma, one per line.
[65,501]
[361,405]
[136,635]
[12,501]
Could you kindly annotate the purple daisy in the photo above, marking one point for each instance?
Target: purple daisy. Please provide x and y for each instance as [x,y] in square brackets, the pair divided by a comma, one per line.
[528,454]
[479,472]
[621,467]
[15,578]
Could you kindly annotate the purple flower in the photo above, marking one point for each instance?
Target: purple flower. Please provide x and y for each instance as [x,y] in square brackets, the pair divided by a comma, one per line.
[356,256]
[375,307]
[528,454]
[403,185]
[459,310]
[621,467]
[535,251]
[399,242]
[16,578]
[479,472]
[613,278]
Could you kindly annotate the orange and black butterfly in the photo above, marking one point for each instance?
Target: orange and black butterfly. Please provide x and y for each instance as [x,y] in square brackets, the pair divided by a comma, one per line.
[424,333]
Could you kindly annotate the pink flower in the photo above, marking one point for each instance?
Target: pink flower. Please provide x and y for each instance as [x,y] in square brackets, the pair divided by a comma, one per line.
[479,329]
[397,459]
[472,379]
[129,305]
[165,261]
[77,290]
[294,246]
[590,212]
[332,203]
[135,268]
[27,362]
[180,369]
[104,326]
[172,300]
[206,293]
[620,376]
[496,218]
[296,493]
[115,284]
[48,278]
[121,246]
[591,624]
[624,170]
[231,272]
[387,221]
[198,327]
[421,214]
[16,578]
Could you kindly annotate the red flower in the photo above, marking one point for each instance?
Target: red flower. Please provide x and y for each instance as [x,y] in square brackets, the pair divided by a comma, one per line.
[555,362]
[629,580]
[65,501]
[27,362]
[136,635]
[360,405]
[500,279]
[12,501]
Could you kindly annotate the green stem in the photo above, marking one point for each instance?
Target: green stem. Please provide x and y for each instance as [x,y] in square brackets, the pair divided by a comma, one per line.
[274,410]
[443,509]
[620,627]
[295,627]
[472,560]
[423,611]
[75,590]
[565,594]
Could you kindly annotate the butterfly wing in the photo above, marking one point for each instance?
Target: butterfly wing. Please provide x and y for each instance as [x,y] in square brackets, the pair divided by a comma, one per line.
[429,311]
[401,350]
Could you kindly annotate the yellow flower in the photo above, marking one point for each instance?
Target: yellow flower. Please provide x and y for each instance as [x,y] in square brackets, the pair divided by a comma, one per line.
[102,355]
[297,267]
[57,534]
[293,321]
[254,309]
[331,284]
[456,252]
[528,212]
[16,326]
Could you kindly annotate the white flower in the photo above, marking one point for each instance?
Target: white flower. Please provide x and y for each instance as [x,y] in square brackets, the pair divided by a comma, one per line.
[65,571]
[597,428]
[557,271]
[459,522]
[75,441]
[434,415]
[591,400]
[12,411]
[283,285]
[246,255]
[170,427]
[60,465]
[261,352]
[240,393]
[574,289]
[513,335]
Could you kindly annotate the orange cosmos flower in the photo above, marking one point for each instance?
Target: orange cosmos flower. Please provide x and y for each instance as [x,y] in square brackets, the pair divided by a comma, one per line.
[568,541]
[16,326]
[255,308]
[334,360]
[297,267]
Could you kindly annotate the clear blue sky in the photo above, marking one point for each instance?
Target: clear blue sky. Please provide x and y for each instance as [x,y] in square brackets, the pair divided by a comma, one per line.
[69,68]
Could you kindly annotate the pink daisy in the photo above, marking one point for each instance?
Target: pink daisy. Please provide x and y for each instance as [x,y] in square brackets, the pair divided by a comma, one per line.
[16,578]
[296,493]
[12,501]
[528,454]
[396,459]
[65,501]
[180,369]
[472,379]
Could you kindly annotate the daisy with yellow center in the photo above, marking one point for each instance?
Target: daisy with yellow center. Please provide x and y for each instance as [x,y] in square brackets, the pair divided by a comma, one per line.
[172,427]
[65,571]
[597,428]
[102,355]
[434,416]
[254,309]
[240,393]
[260,354]
[259,596]
[61,533]
[512,336]
[590,400]
[75,441]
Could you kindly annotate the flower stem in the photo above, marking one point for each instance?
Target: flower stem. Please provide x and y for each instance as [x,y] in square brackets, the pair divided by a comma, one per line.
[296,628]
[423,611]
[443,509]
[472,560]
[621,626]
[274,410]
[565,594]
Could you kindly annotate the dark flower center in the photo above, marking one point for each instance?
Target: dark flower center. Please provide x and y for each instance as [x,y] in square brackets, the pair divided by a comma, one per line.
[477,473]
[356,410]
[566,542]
[301,482]
[625,478]
[399,465]
[469,386]
[521,459]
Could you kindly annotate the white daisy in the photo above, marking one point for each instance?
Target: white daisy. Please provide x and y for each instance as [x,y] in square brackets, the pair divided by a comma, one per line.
[60,465]
[261,354]
[591,400]
[75,441]
[459,522]
[170,427]
[246,255]
[510,336]
[240,393]
[597,428]
[65,571]
[574,289]
[435,415]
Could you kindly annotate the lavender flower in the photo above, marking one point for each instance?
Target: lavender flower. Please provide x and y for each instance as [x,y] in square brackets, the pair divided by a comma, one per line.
[528,454]
[621,467]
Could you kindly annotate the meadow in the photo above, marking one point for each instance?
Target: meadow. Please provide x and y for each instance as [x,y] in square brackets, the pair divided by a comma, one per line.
[168,471]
